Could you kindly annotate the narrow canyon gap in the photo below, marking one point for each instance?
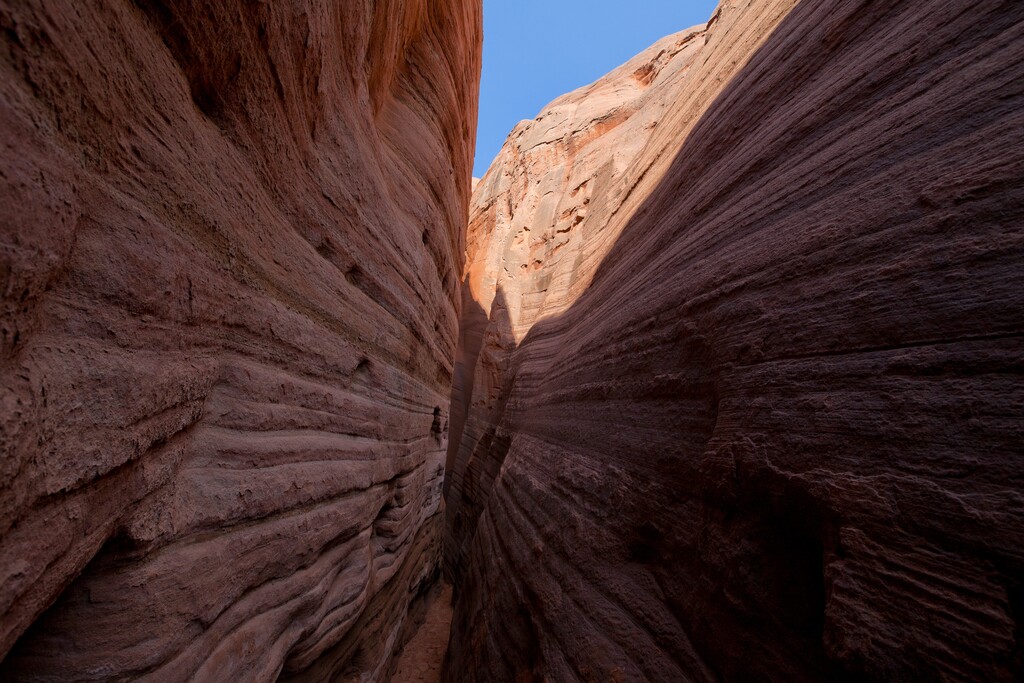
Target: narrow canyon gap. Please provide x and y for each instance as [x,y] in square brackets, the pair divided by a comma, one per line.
[738,394]
[723,381]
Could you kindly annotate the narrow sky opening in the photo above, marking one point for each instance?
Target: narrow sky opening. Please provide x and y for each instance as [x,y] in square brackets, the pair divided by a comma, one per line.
[537,50]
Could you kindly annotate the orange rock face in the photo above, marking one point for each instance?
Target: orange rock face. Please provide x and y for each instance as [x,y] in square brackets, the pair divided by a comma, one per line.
[738,386]
[229,257]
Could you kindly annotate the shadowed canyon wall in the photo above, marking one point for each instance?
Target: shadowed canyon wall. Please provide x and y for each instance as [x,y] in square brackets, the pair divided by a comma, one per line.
[738,391]
[229,267]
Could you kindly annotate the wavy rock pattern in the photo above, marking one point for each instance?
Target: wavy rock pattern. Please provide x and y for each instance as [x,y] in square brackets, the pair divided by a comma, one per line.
[738,387]
[229,266]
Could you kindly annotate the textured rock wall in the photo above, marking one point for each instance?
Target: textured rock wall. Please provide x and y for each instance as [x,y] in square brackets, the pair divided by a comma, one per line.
[229,270]
[738,390]
[529,239]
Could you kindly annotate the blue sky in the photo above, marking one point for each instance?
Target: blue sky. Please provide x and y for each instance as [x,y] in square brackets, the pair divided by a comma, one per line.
[536,50]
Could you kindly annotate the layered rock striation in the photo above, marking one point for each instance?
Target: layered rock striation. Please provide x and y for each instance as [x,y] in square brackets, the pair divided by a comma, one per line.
[738,386]
[229,268]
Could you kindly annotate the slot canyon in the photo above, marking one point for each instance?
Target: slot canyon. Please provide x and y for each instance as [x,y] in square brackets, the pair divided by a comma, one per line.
[716,374]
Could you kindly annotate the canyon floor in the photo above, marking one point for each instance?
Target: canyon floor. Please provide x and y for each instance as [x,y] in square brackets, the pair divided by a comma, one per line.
[423,656]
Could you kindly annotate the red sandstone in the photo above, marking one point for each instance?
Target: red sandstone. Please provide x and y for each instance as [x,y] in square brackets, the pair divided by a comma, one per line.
[229,256]
[738,388]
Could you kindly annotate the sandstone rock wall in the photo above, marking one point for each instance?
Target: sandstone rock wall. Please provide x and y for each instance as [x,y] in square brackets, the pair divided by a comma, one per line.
[229,271]
[738,389]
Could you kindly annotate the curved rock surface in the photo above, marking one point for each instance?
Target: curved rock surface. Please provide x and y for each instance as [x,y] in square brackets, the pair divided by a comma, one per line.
[739,384]
[229,273]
